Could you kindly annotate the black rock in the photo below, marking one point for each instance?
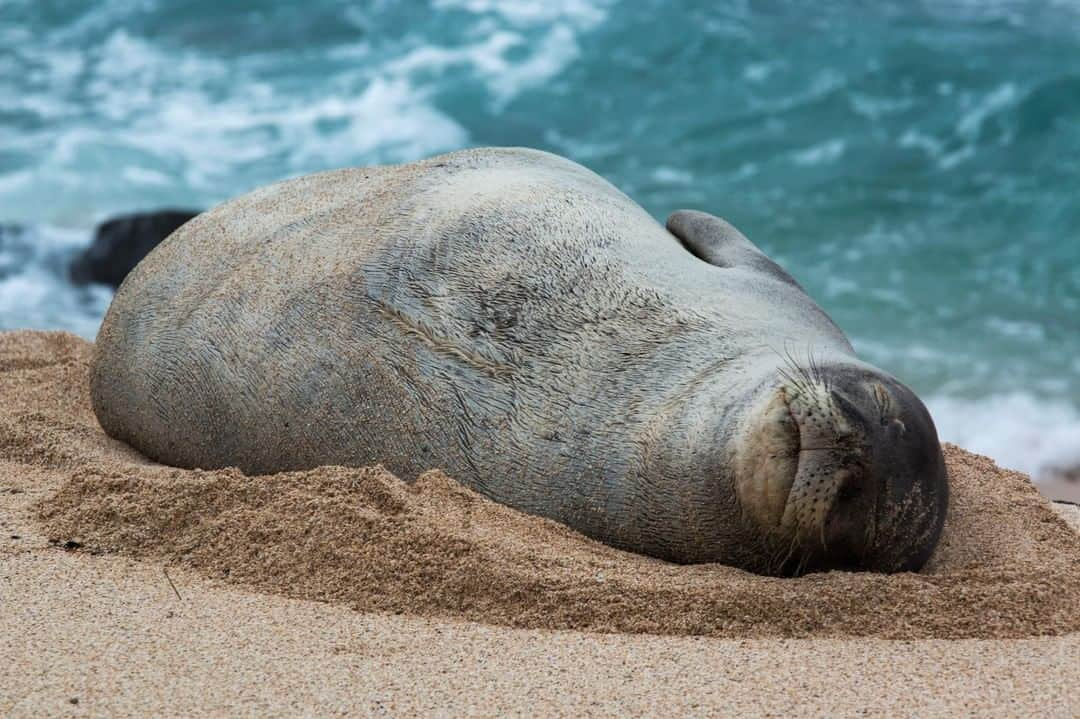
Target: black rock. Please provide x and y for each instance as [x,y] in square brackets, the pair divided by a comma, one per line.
[119,244]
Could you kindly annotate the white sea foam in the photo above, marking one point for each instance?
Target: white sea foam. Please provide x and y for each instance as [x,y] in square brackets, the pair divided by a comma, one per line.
[146,118]
[539,57]
[488,59]
[982,108]
[821,154]
[672,176]
[378,115]
[34,291]
[960,143]
[758,72]
[1017,430]
[581,13]
[876,107]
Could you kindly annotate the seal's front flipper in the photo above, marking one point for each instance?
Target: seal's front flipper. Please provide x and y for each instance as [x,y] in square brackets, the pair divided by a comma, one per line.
[718,242]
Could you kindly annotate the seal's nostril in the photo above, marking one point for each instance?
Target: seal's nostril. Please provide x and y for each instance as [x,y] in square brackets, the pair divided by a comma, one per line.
[849,491]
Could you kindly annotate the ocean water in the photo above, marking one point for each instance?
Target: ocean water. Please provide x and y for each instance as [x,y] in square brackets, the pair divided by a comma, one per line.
[916,165]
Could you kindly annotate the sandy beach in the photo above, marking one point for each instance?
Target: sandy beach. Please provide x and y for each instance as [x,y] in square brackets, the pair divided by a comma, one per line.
[130,588]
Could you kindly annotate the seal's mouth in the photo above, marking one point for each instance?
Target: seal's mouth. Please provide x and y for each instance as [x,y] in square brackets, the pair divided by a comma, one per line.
[821,474]
[795,462]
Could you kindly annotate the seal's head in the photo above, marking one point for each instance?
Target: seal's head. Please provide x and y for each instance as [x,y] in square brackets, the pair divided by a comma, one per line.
[841,468]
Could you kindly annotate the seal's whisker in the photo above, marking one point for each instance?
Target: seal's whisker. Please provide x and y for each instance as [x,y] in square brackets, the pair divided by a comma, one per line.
[771,544]
[797,384]
[804,560]
[789,376]
[815,368]
[805,381]
[793,546]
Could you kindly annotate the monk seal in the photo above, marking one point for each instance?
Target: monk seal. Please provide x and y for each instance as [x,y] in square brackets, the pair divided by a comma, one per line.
[512,318]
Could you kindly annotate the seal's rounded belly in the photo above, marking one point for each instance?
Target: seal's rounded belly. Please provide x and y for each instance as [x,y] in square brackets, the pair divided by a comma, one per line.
[510,317]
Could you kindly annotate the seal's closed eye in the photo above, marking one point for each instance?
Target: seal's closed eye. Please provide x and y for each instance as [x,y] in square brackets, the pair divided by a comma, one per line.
[719,243]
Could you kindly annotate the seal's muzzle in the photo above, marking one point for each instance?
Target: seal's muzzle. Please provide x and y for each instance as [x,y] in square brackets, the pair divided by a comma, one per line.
[843,469]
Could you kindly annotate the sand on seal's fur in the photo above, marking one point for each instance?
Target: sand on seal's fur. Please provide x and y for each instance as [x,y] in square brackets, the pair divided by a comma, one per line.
[1007,566]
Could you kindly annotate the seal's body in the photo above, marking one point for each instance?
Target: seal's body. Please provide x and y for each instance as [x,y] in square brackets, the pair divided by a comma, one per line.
[510,317]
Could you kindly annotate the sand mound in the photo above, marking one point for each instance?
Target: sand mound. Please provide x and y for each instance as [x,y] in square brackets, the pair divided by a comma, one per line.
[1008,566]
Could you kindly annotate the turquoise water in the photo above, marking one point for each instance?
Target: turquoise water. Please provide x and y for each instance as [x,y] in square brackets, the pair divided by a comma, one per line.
[915,165]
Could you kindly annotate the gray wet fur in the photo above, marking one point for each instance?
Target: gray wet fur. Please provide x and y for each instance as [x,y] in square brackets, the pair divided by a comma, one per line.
[503,314]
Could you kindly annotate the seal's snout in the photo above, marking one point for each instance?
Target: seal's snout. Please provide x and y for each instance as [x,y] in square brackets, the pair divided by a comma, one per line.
[846,473]
[893,509]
